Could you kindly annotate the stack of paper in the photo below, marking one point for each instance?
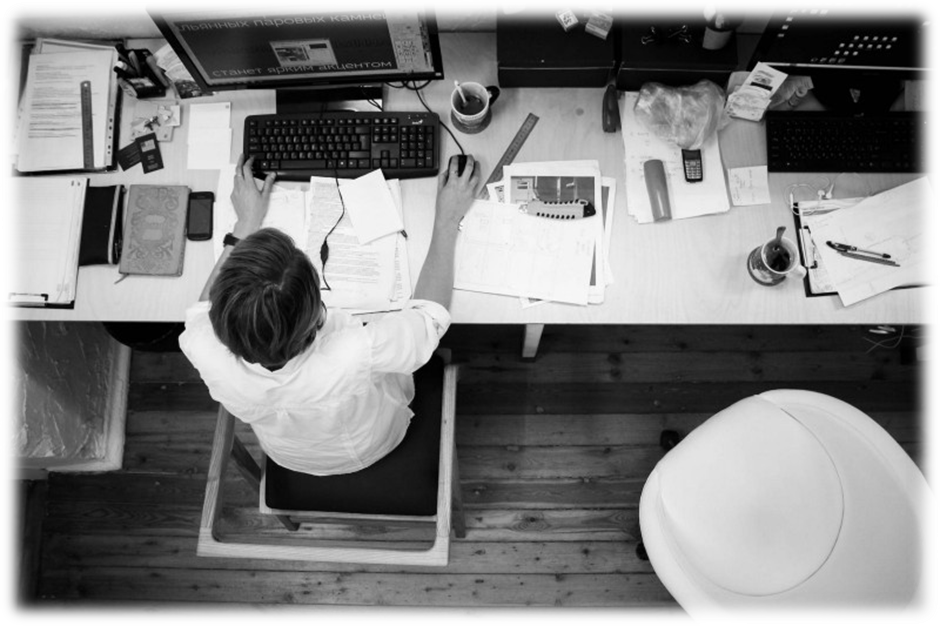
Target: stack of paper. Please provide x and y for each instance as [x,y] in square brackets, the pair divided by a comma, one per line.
[708,196]
[502,249]
[60,128]
[48,214]
[891,222]
[367,269]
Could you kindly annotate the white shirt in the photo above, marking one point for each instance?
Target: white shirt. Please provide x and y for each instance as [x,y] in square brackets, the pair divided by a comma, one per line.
[339,406]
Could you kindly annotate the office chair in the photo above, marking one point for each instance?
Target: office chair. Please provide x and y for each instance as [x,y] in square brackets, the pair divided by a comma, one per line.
[788,498]
[417,484]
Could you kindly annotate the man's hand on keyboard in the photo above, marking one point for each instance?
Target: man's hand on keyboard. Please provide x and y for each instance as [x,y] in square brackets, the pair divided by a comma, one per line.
[455,192]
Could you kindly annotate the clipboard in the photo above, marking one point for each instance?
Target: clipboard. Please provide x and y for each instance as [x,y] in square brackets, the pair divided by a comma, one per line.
[816,282]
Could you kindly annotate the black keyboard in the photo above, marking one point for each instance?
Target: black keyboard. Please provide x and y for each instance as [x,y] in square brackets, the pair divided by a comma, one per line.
[813,141]
[343,144]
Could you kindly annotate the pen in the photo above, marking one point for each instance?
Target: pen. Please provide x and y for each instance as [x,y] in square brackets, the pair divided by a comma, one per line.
[845,251]
[843,247]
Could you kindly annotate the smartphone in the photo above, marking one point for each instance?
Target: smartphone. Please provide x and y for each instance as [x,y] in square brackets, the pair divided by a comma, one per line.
[199,216]
[692,165]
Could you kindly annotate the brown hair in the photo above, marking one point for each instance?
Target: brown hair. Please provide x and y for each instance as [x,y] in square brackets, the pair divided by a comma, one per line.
[266,299]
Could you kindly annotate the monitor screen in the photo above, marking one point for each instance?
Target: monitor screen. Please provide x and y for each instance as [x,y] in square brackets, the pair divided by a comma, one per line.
[239,49]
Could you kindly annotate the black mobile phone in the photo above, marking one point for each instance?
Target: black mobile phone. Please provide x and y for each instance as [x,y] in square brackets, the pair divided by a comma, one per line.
[199,216]
[692,165]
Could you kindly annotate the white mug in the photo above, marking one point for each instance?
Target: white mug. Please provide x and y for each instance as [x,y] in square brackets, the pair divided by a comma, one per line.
[770,264]
[470,106]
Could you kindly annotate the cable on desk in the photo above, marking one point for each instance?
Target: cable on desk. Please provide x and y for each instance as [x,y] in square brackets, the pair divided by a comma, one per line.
[417,89]
[325,247]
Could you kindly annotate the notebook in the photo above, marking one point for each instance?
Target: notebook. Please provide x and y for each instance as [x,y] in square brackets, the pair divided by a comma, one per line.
[48,221]
[154,230]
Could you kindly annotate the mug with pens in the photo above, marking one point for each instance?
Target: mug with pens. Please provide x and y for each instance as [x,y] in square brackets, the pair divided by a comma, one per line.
[721,19]
[138,73]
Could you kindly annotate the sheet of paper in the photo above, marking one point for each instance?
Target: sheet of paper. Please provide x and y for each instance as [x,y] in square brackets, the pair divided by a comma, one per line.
[687,199]
[50,136]
[401,289]
[563,181]
[370,206]
[501,250]
[208,148]
[749,185]
[209,135]
[357,276]
[609,190]
[210,115]
[48,219]
[891,222]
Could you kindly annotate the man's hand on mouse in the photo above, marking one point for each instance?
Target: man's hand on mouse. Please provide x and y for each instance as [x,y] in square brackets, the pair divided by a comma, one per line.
[456,189]
[250,202]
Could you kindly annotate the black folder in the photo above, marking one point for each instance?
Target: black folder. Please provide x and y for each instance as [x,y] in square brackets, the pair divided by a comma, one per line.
[102,226]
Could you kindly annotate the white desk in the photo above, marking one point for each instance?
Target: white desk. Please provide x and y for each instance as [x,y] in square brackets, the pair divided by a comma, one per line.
[681,272]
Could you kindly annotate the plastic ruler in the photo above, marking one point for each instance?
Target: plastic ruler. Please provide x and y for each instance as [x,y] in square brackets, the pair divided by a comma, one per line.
[88,147]
[510,154]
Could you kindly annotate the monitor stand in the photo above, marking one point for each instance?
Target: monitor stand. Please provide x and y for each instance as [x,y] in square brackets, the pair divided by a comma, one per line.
[312,100]
[857,94]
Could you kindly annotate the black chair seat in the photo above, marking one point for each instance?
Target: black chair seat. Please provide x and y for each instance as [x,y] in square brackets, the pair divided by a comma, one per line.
[402,483]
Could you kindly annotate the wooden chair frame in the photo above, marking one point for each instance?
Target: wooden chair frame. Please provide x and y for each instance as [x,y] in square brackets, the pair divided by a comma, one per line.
[226,445]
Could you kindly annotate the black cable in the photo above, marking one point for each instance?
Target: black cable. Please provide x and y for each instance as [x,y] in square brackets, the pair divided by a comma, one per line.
[325,247]
[417,90]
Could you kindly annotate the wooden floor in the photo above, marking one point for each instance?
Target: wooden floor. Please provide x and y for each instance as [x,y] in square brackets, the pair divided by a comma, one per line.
[553,455]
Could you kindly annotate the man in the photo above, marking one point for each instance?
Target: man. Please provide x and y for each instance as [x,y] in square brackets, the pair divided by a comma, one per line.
[324,393]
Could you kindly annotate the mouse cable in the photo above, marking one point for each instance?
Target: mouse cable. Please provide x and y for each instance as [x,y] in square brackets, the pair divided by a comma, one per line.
[417,90]
[325,247]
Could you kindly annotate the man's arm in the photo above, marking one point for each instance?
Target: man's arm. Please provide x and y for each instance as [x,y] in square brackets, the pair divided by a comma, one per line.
[455,194]
[251,205]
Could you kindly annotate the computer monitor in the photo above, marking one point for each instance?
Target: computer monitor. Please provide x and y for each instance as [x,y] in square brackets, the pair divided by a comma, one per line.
[311,55]
[857,61]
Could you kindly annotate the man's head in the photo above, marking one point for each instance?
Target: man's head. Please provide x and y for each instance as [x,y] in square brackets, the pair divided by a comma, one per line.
[266,305]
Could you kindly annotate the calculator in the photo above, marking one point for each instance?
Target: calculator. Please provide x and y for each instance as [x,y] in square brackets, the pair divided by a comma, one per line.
[692,165]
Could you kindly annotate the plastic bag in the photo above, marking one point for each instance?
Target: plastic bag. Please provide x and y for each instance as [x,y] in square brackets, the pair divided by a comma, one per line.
[685,116]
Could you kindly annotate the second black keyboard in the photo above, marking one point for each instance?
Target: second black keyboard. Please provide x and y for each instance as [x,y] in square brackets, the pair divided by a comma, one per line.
[343,144]
[811,141]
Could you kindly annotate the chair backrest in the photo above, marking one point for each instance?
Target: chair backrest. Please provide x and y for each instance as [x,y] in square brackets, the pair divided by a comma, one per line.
[787,498]
[294,546]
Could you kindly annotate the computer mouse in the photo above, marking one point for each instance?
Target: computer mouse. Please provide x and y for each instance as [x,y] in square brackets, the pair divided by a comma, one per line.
[655,175]
[461,163]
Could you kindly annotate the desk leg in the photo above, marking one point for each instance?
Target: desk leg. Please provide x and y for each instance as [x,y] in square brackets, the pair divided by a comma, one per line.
[530,343]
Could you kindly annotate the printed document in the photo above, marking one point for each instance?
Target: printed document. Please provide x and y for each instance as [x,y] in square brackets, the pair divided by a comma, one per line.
[504,251]
[891,222]
[51,135]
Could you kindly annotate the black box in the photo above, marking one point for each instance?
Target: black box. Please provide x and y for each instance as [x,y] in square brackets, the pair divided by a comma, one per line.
[671,55]
[533,50]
